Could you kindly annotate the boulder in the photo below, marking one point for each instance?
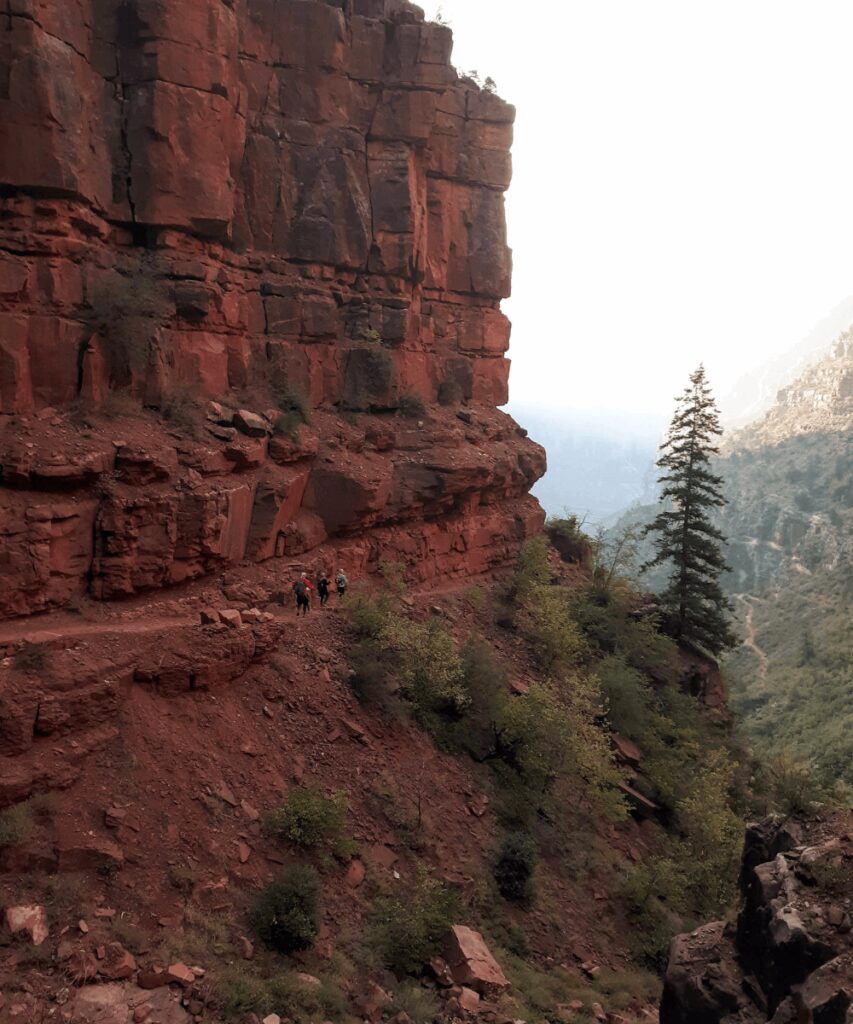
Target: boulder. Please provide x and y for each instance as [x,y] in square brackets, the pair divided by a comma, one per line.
[250,423]
[116,963]
[30,918]
[471,962]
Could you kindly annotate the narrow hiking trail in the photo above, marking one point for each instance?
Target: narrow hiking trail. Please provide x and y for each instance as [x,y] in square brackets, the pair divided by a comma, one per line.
[49,628]
[750,641]
[168,610]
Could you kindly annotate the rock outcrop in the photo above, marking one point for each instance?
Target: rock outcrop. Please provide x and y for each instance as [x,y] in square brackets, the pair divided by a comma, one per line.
[293,210]
[789,957]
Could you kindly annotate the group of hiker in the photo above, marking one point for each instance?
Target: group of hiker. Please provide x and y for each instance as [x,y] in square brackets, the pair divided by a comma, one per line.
[303,589]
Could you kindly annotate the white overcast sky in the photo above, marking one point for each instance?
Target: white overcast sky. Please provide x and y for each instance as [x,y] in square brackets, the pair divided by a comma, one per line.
[683,185]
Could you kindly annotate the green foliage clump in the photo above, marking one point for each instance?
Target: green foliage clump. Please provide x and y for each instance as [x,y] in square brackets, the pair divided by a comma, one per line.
[408,928]
[569,539]
[294,413]
[792,787]
[802,701]
[696,878]
[125,311]
[178,407]
[418,659]
[308,818]
[239,989]
[542,613]
[416,1002]
[16,823]
[513,867]
[285,914]
[549,742]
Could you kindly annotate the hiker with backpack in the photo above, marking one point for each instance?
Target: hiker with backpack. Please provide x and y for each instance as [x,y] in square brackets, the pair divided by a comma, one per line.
[302,591]
[323,587]
[341,583]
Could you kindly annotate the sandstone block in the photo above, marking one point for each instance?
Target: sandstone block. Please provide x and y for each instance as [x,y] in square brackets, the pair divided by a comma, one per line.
[31,919]
[471,962]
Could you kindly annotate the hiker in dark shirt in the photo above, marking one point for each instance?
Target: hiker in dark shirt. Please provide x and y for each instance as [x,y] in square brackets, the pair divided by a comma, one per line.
[302,591]
[323,587]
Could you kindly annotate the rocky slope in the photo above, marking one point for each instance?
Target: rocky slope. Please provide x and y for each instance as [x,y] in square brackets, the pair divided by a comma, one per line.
[292,209]
[789,957]
[788,478]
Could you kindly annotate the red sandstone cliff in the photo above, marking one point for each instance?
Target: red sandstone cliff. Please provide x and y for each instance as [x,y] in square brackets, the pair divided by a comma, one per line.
[248,201]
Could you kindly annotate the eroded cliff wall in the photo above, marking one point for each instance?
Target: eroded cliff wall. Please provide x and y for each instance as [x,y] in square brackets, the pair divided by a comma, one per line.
[282,206]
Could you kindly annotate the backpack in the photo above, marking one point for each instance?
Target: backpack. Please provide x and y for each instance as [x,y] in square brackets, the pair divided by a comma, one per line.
[341,581]
[301,589]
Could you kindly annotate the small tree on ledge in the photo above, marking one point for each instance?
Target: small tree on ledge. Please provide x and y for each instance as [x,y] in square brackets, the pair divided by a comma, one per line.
[694,604]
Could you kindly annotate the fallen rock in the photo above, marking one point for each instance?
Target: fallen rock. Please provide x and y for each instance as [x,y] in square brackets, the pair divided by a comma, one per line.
[114,817]
[231,617]
[116,963]
[471,962]
[31,919]
[181,974]
[250,423]
[469,1000]
[355,874]
[372,1002]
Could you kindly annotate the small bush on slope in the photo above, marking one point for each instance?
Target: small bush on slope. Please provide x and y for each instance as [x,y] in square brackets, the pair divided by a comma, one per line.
[513,867]
[15,824]
[408,929]
[285,914]
[308,818]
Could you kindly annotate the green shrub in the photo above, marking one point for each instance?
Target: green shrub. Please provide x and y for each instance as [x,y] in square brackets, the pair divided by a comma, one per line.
[16,823]
[285,914]
[793,788]
[552,732]
[178,407]
[295,412]
[408,928]
[237,990]
[308,818]
[513,867]
[547,624]
[569,539]
[125,311]
[419,1004]
[531,571]
[421,656]
[485,683]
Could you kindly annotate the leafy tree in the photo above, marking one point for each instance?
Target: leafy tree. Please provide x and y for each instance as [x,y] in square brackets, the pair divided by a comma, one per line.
[686,539]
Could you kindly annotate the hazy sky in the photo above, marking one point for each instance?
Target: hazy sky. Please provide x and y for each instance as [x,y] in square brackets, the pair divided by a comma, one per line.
[683,185]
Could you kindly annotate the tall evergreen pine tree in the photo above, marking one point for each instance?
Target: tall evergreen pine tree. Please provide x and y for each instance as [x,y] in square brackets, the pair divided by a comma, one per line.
[696,609]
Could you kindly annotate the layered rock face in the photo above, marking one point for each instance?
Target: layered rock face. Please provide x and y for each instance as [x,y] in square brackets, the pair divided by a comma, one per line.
[789,958]
[291,208]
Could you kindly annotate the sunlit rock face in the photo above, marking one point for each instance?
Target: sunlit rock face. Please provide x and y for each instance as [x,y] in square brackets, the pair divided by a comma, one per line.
[246,202]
